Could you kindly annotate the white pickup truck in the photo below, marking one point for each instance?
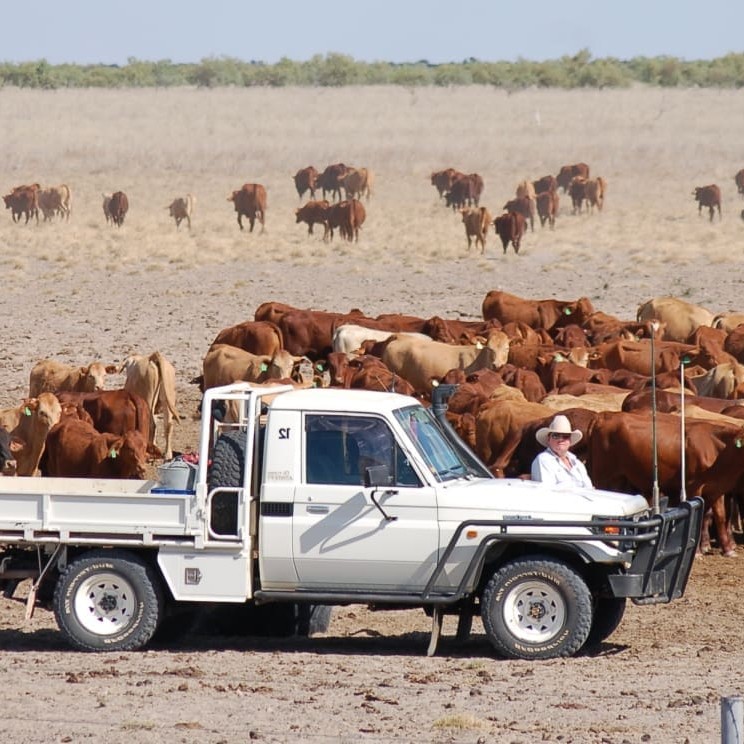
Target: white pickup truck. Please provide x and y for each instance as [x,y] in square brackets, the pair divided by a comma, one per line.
[321,497]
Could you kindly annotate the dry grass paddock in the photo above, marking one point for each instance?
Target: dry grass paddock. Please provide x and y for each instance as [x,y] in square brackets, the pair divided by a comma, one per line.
[83,290]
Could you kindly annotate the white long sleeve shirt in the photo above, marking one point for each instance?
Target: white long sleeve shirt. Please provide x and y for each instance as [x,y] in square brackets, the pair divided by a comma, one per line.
[548,468]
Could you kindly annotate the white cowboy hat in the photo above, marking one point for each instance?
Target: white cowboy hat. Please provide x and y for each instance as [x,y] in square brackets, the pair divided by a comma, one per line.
[559,425]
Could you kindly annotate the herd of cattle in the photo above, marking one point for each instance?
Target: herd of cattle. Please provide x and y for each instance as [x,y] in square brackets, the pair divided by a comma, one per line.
[525,360]
[460,191]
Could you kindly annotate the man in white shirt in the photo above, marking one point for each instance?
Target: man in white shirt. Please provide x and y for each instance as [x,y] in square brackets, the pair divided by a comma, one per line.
[556,465]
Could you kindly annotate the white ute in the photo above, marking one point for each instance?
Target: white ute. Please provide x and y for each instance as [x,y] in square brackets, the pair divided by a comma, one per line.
[304,499]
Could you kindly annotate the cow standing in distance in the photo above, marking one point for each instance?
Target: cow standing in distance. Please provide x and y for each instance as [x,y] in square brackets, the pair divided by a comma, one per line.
[739,181]
[23,200]
[476,221]
[568,172]
[444,179]
[510,228]
[250,201]
[306,179]
[708,196]
[547,207]
[118,206]
[314,212]
[181,208]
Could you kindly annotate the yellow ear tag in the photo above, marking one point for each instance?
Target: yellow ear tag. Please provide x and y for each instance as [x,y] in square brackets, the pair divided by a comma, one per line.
[26,411]
[112,454]
[264,367]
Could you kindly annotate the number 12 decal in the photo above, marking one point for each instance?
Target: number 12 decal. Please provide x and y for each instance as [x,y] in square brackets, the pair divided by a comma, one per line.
[284,432]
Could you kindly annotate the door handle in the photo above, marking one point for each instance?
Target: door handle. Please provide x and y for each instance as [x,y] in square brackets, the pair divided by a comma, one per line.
[317,509]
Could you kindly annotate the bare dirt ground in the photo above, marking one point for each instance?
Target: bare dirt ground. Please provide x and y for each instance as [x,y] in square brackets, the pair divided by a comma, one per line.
[82,291]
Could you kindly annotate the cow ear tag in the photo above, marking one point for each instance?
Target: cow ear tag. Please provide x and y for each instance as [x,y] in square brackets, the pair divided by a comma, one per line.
[26,411]
[479,345]
[264,367]
[739,444]
[567,311]
[112,454]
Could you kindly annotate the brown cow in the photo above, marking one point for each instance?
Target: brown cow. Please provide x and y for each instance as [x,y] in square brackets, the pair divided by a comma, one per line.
[332,180]
[510,228]
[256,336]
[739,181]
[314,213]
[250,200]
[465,191]
[524,206]
[306,179]
[476,221]
[181,208]
[348,216]
[545,314]
[636,356]
[444,179]
[358,183]
[106,204]
[117,412]
[594,192]
[49,375]
[567,172]
[577,192]
[546,183]
[74,449]
[55,200]
[23,200]
[118,207]
[708,196]
[547,207]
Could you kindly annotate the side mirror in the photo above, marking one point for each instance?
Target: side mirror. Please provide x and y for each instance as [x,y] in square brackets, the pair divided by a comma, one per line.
[376,476]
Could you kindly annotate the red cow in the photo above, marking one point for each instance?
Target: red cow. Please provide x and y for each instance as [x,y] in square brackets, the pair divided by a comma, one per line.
[444,179]
[250,200]
[348,216]
[567,172]
[118,207]
[547,207]
[332,180]
[465,191]
[522,205]
[545,314]
[546,183]
[74,449]
[306,179]
[577,192]
[708,196]
[23,200]
[256,336]
[314,213]
[739,181]
[510,227]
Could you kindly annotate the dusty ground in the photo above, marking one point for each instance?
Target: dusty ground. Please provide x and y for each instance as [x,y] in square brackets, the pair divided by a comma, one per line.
[83,291]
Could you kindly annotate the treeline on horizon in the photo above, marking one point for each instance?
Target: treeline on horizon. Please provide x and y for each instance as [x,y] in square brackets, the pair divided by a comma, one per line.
[335,70]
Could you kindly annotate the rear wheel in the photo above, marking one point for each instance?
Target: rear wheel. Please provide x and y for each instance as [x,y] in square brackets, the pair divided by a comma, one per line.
[108,601]
[536,608]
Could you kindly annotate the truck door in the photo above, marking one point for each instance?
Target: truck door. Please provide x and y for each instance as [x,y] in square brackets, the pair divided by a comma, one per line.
[341,538]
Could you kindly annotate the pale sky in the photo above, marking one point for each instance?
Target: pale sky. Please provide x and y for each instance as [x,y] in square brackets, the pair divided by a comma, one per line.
[92,32]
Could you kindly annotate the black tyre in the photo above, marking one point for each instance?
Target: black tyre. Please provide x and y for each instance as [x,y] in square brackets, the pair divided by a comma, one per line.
[228,464]
[536,608]
[608,614]
[108,600]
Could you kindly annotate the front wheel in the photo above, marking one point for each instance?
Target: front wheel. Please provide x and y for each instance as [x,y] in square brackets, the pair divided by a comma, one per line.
[108,601]
[536,608]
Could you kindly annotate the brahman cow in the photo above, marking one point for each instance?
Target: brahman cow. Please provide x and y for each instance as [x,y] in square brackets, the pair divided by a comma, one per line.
[250,201]
[577,192]
[332,180]
[739,181]
[348,216]
[23,200]
[594,192]
[568,172]
[48,375]
[444,179]
[181,208]
[153,378]
[546,314]
[75,449]
[510,228]
[423,361]
[255,336]
[708,196]
[476,221]
[546,183]
[306,179]
[680,318]
[118,207]
[106,205]
[349,337]
[524,206]
[465,191]
[55,200]
[358,183]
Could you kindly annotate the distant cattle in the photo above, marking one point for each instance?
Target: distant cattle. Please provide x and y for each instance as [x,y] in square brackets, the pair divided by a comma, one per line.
[348,216]
[51,376]
[106,207]
[547,207]
[331,180]
[568,172]
[510,228]
[465,191]
[181,208]
[444,179]
[55,200]
[708,196]
[250,201]
[680,318]
[476,221]
[153,378]
[358,183]
[306,179]
[526,188]
[118,207]
[23,200]
[739,181]
[594,192]
[546,183]
[314,213]
[524,206]
[577,192]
